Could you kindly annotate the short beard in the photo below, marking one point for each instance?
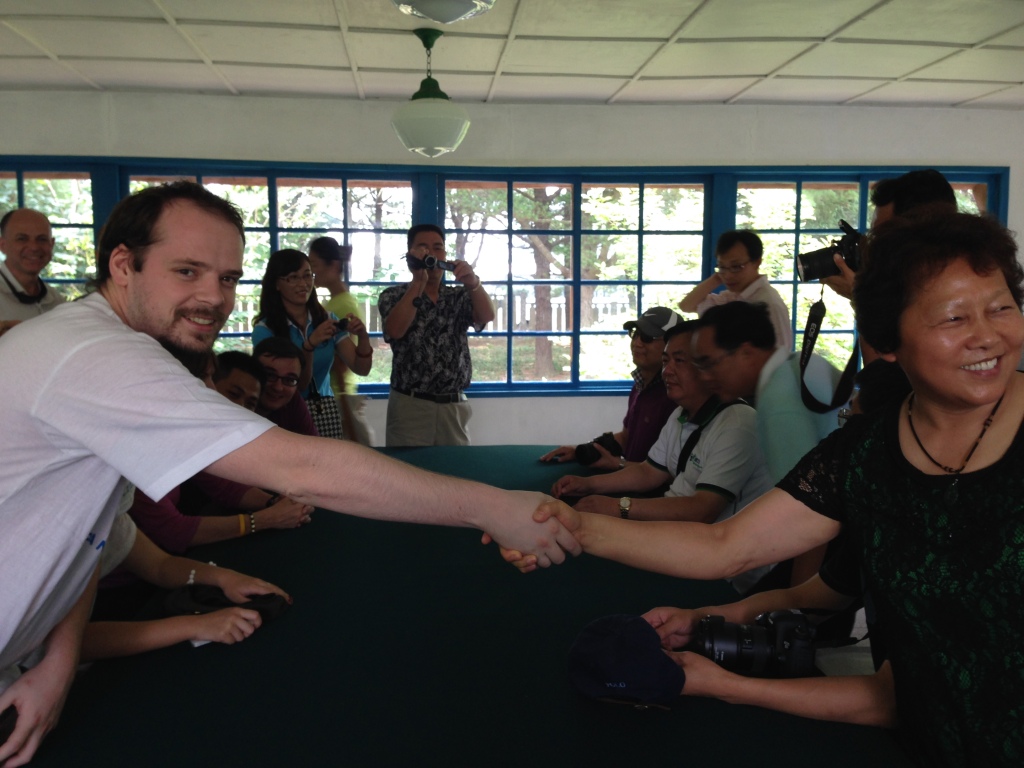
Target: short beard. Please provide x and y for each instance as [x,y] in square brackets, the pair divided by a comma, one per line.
[197,362]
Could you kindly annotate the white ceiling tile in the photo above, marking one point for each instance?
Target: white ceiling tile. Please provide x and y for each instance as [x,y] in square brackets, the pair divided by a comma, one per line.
[265,45]
[178,76]
[722,59]
[656,19]
[864,60]
[124,39]
[316,12]
[250,80]
[779,18]
[715,90]
[12,44]
[142,9]
[405,52]
[577,57]
[998,66]
[953,21]
[806,90]
[1007,97]
[33,73]
[924,94]
[562,90]
[1013,37]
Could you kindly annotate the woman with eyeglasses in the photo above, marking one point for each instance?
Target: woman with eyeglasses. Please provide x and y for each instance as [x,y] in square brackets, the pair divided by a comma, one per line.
[738,253]
[289,308]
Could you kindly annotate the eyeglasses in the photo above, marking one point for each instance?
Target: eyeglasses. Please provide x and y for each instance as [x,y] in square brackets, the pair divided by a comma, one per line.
[732,269]
[288,381]
[305,277]
[705,364]
[634,332]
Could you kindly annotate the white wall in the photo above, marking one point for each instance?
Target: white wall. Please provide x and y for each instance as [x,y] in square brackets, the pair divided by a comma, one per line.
[324,130]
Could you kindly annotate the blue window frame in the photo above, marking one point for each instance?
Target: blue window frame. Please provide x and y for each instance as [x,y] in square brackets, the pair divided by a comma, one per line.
[567,255]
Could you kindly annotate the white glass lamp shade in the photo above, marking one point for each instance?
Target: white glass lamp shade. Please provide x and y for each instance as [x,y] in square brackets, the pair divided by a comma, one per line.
[444,11]
[430,127]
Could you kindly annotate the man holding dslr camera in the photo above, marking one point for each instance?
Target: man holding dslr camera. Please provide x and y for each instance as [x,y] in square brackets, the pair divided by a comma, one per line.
[425,322]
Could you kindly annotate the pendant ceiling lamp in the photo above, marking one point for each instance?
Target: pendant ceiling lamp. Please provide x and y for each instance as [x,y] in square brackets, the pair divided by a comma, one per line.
[444,11]
[429,123]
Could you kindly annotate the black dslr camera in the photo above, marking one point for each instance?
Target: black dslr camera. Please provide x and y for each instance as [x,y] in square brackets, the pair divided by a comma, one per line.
[587,454]
[429,262]
[777,644]
[341,325]
[818,264]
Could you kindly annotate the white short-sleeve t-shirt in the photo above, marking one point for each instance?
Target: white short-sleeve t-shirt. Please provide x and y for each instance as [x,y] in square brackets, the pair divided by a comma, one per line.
[89,404]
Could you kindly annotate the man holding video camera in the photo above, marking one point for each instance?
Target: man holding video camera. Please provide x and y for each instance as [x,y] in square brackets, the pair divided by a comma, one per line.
[425,322]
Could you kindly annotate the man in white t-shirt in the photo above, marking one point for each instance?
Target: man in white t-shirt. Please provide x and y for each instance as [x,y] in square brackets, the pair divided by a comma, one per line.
[108,404]
[708,450]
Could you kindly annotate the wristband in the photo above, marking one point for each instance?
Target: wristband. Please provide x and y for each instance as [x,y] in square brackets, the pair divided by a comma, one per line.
[241,525]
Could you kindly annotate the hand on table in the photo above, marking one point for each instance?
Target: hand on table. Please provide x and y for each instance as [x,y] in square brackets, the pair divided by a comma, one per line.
[599,505]
[38,696]
[703,676]
[560,454]
[239,588]
[284,514]
[607,462]
[570,485]
[228,625]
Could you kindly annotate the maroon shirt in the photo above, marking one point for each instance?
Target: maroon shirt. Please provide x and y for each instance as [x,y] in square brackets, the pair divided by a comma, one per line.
[647,412]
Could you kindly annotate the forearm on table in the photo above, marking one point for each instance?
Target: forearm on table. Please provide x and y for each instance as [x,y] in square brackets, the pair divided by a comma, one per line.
[638,477]
[812,594]
[64,643]
[856,699]
[113,639]
[346,477]
[770,530]
[703,507]
[220,528]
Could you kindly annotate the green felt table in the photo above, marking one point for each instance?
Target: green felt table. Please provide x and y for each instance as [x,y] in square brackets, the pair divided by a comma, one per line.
[415,645]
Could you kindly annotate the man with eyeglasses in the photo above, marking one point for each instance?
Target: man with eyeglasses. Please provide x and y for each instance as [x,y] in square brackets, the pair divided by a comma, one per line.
[735,352]
[738,253]
[280,401]
[27,244]
[649,405]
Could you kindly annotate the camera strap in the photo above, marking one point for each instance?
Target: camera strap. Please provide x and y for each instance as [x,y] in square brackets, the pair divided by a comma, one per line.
[691,441]
[844,389]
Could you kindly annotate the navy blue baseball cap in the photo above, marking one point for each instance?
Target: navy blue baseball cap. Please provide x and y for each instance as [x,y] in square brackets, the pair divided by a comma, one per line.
[620,658]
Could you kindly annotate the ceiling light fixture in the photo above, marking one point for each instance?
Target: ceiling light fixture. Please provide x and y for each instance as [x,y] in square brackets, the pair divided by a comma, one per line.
[429,123]
[444,11]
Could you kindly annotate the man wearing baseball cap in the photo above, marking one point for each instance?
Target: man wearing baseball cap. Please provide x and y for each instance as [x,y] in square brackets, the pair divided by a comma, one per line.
[648,408]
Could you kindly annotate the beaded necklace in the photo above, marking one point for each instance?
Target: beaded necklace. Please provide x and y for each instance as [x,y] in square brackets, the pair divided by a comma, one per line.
[943,467]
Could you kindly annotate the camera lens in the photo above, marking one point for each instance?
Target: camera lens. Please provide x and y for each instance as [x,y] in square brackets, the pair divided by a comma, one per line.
[816,264]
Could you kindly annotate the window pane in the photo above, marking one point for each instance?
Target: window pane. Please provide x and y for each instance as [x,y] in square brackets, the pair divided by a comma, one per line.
[541,358]
[490,358]
[971,198]
[300,240]
[8,191]
[674,207]
[137,183]
[540,308]
[378,256]
[541,257]
[256,254]
[541,206]
[249,194]
[822,205]
[777,260]
[486,254]
[610,207]
[310,204]
[834,347]
[65,198]
[73,254]
[609,257]
[607,307]
[664,296]
[247,306]
[605,357]
[380,370]
[380,204]
[766,205]
[367,296]
[673,257]
[476,205]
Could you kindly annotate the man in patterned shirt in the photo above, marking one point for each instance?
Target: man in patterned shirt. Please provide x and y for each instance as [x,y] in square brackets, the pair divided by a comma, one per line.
[425,322]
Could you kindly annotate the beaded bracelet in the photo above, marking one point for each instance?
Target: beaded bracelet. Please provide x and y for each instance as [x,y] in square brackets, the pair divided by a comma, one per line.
[252,522]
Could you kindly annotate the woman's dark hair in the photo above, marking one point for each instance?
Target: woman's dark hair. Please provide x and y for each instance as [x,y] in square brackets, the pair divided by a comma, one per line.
[272,312]
[132,222]
[327,249]
[905,253]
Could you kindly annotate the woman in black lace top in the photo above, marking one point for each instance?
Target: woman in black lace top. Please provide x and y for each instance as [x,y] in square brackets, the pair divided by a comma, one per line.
[930,489]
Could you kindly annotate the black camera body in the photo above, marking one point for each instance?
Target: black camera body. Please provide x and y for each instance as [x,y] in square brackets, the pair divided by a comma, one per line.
[341,325]
[429,262]
[587,454]
[818,264]
[777,644]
